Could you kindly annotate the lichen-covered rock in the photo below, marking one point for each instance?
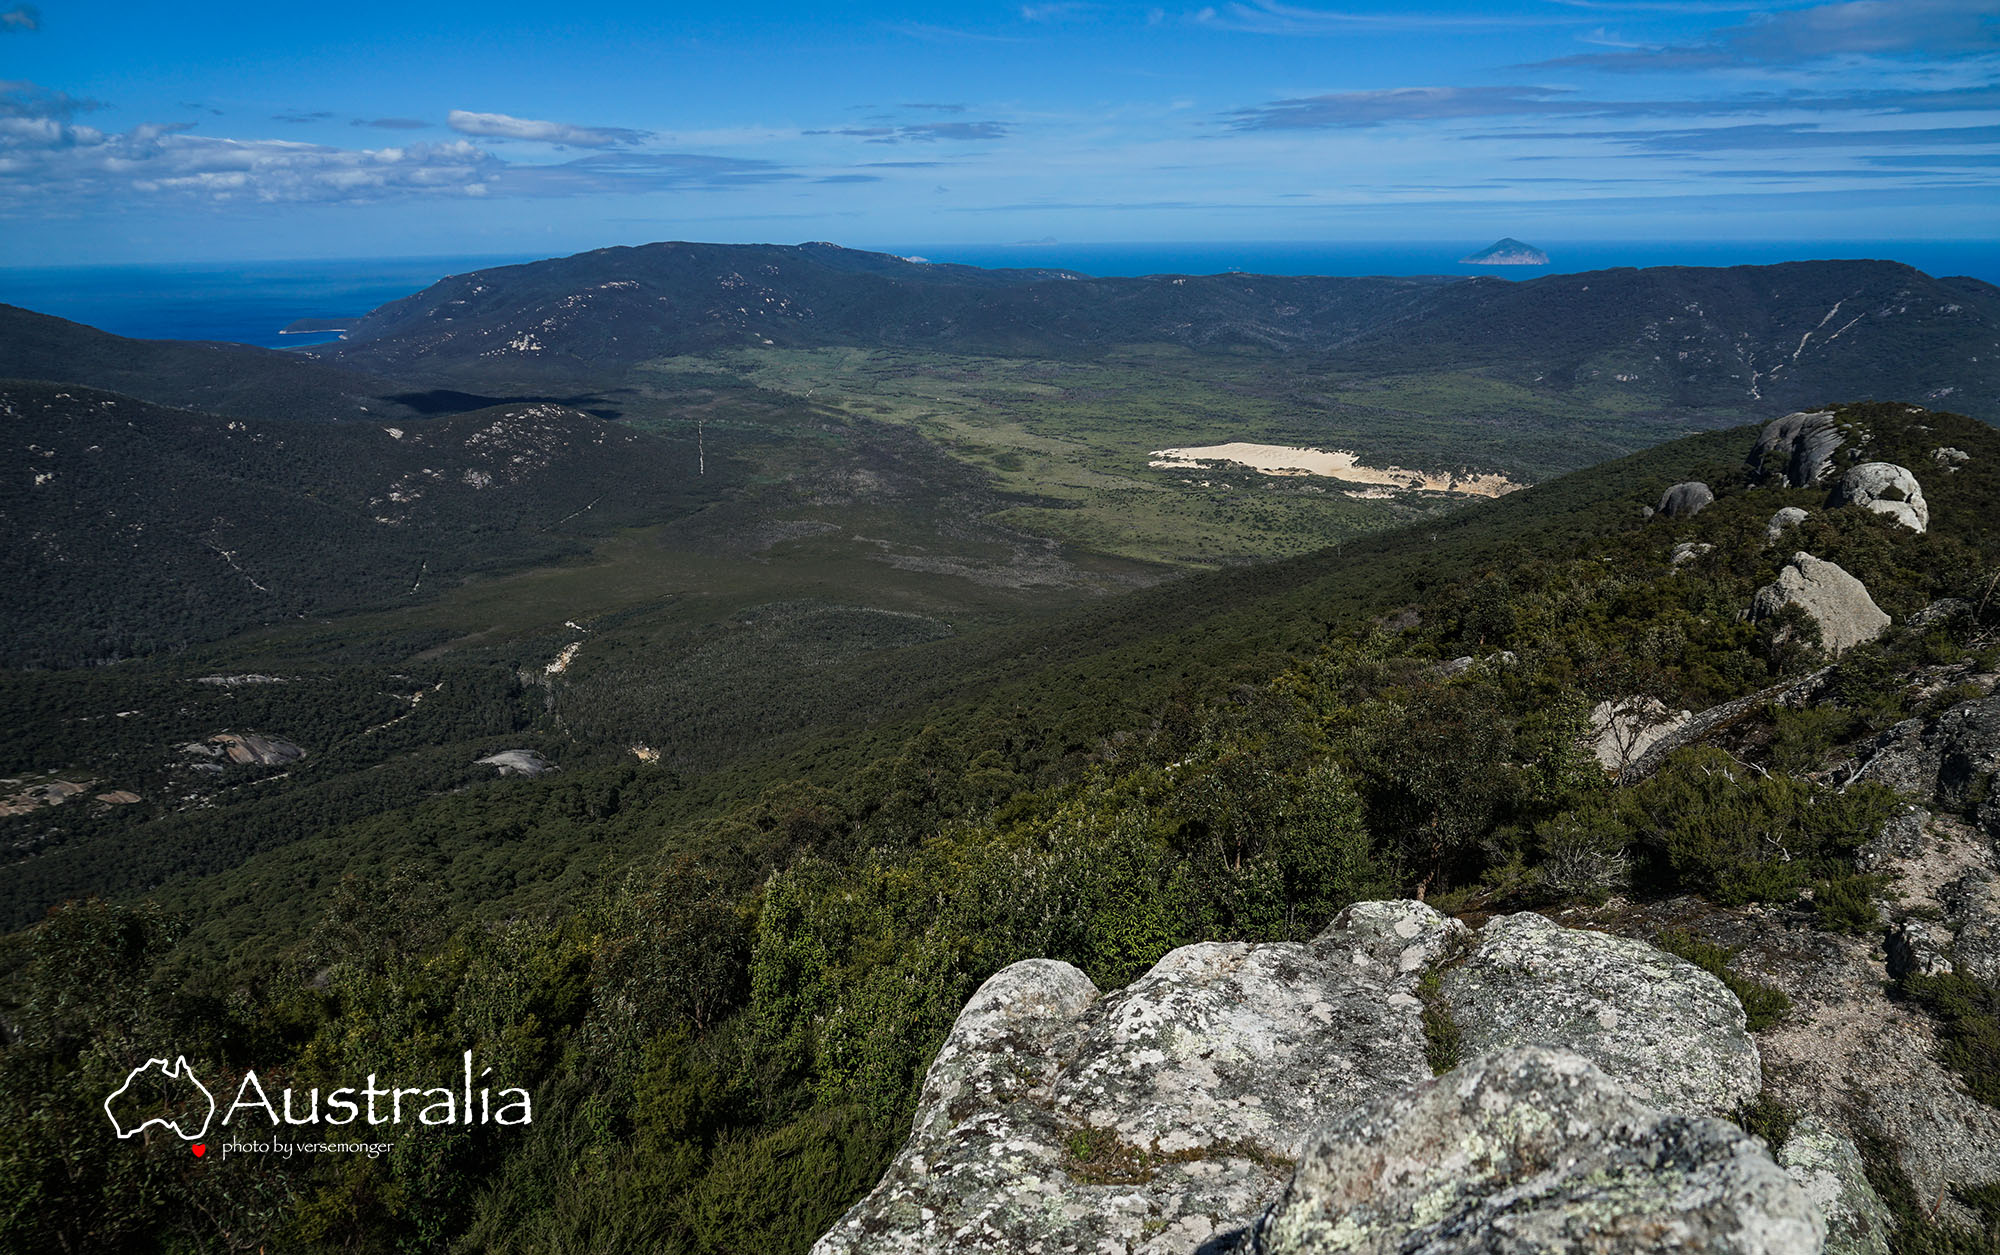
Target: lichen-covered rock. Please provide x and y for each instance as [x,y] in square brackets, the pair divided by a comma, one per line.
[1685,500]
[1972,904]
[1532,1151]
[1904,835]
[1967,738]
[1919,948]
[1650,1020]
[1839,603]
[1887,489]
[1828,1168]
[1948,761]
[1158,1117]
[1799,447]
[1162,1118]
[1790,516]
[1949,458]
[1943,610]
[1687,551]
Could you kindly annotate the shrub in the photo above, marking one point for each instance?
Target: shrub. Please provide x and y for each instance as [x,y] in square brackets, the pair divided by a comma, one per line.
[1763,1004]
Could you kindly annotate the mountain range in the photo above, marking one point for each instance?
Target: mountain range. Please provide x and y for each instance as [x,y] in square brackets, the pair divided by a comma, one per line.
[685,675]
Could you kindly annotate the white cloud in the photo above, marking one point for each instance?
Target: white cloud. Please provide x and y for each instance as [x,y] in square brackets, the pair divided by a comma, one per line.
[503,126]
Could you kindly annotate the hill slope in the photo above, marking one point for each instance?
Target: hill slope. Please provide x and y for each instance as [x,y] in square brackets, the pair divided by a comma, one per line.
[127,527]
[1757,338]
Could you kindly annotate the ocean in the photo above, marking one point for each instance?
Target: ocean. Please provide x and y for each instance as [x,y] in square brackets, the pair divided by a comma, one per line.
[250,302]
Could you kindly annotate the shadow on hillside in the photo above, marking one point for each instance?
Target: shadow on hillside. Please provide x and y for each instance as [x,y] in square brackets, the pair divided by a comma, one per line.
[450,401]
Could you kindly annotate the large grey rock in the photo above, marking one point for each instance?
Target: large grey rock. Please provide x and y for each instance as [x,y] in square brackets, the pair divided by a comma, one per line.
[1790,516]
[1828,1168]
[1158,1117]
[1685,500]
[1163,1117]
[1653,1022]
[1535,1151]
[1887,489]
[1839,603]
[1799,447]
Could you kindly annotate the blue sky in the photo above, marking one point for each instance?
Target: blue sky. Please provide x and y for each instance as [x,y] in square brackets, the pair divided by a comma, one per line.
[135,132]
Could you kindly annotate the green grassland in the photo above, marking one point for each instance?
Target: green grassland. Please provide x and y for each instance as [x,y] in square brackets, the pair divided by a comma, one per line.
[1073,437]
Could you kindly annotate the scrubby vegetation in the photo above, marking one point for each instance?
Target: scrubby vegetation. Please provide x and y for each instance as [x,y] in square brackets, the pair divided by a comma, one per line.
[723,986]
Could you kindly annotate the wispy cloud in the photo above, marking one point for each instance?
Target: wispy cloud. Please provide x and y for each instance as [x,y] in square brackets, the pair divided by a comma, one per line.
[21,19]
[1342,110]
[49,162]
[1053,12]
[392,124]
[299,117]
[921,132]
[636,172]
[931,33]
[1770,136]
[1405,104]
[1267,17]
[21,99]
[1869,28]
[504,126]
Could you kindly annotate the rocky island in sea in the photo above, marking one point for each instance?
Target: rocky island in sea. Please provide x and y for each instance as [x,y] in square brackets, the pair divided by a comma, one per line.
[1507,252]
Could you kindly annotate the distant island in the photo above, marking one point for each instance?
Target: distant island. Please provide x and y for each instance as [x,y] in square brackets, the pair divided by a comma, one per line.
[1508,252]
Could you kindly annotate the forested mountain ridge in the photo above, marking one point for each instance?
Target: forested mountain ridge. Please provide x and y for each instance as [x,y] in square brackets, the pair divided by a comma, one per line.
[1760,338]
[130,528]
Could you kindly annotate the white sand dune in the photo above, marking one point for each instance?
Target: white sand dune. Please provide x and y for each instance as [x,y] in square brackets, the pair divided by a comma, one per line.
[1272,459]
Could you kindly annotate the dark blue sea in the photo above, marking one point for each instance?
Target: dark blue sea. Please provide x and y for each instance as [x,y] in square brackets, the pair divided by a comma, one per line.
[1980,259]
[244,301]
[251,301]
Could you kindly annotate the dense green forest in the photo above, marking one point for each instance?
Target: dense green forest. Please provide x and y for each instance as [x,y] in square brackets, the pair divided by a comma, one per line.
[723,979]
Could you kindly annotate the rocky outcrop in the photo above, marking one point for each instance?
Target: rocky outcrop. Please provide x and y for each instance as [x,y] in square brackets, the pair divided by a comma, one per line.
[1534,1150]
[1798,448]
[1656,1024]
[1947,761]
[1839,603]
[1828,1167]
[1687,551]
[518,763]
[1918,948]
[1720,719]
[1789,517]
[1949,458]
[1163,1117]
[1622,731]
[1972,907]
[247,749]
[1884,488]
[1685,500]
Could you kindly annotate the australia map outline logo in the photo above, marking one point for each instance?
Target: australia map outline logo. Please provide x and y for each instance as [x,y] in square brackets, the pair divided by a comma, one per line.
[179,1071]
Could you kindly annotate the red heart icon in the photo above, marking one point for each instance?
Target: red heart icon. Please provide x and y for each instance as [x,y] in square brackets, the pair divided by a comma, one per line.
[200,1149]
